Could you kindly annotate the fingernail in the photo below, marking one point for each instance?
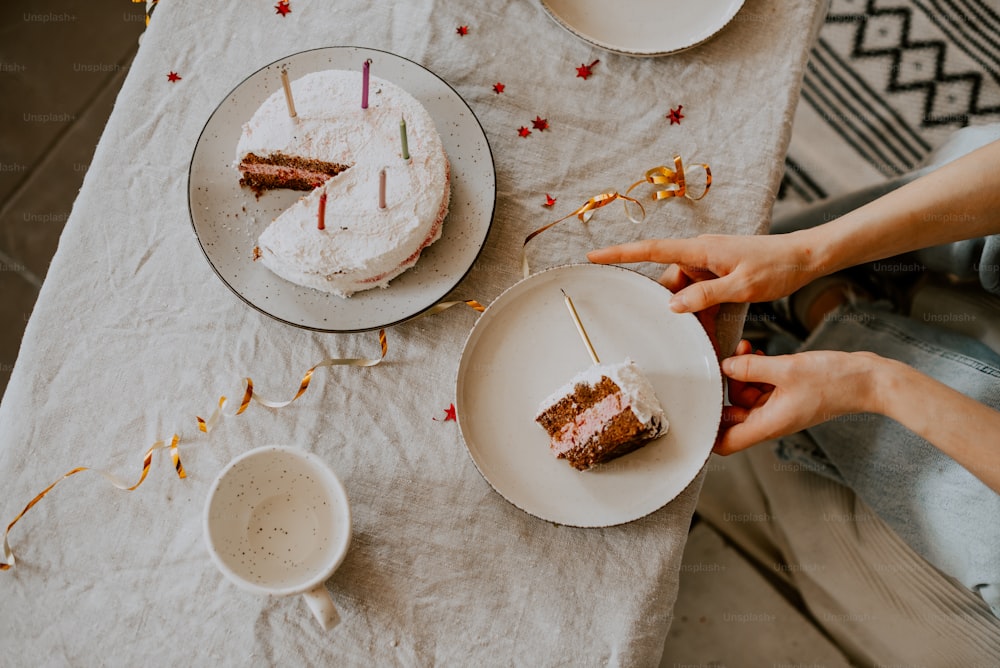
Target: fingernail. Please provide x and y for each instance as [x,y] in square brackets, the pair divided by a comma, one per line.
[679,303]
[726,365]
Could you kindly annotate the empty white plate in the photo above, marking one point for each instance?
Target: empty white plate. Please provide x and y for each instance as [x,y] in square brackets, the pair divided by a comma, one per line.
[643,27]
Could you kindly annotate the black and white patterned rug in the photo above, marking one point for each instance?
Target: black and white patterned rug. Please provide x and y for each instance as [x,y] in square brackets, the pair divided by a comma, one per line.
[887,82]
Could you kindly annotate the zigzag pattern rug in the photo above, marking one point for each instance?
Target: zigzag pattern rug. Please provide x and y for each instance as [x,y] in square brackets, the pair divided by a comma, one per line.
[887,81]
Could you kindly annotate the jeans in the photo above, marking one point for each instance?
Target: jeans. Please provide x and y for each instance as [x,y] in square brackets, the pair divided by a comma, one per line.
[934,504]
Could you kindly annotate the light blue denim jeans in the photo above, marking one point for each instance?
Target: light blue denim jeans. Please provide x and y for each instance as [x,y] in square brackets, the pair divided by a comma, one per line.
[937,506]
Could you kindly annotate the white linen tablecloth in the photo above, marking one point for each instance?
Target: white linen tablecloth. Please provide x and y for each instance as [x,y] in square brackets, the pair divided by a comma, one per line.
[133,336]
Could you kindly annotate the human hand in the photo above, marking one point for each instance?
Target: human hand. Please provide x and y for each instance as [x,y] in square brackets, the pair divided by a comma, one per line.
[714,269]
[776,396]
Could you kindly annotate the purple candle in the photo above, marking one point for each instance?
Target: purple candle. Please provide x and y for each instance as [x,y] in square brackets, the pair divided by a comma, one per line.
[364,83]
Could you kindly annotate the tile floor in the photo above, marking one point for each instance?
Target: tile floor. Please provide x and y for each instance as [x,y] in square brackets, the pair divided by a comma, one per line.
[62,63]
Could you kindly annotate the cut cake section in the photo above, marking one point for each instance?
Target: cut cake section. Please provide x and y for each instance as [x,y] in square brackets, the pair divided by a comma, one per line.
[278,171]
[604,412]
[337,152]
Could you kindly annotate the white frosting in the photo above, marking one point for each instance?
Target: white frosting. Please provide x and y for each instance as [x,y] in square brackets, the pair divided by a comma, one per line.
[636,390]
[362,246]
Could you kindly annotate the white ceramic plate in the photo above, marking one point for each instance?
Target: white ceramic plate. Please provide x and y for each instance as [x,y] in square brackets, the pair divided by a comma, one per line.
[525,346]
[228,219]
[643,27]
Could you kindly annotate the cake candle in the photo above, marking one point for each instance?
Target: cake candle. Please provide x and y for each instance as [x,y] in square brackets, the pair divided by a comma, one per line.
[365,72]
[402,137]
[579,328]
[381,188]
[321,225]
[288,93]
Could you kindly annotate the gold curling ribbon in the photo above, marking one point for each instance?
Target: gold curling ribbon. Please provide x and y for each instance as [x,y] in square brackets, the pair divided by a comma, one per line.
[206,425]
[584,213]
[444,306]
[249,395]
[676,186]
[674,179]
[147,462]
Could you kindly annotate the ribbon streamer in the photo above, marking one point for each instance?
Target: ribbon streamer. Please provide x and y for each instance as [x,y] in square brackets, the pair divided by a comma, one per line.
[674,179]
[249,395]
[206,425]
[584,213]
[675,183]
[147,462]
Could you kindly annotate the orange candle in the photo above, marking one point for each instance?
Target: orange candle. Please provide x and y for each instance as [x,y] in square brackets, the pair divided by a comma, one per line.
[381,189]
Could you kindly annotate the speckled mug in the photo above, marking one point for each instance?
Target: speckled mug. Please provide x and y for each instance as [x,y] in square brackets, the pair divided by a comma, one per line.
[277,522]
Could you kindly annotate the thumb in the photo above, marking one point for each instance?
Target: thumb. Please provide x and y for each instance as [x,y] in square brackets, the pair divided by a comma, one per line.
[755,427]
[754,368]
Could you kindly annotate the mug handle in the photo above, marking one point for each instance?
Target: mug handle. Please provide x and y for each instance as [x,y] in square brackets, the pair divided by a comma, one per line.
[321,603]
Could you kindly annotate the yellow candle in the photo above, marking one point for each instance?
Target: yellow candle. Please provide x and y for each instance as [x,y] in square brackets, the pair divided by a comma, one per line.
[288,93]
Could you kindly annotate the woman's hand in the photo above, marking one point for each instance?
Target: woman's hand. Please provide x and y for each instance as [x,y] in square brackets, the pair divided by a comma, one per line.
[714,269]
[776,396]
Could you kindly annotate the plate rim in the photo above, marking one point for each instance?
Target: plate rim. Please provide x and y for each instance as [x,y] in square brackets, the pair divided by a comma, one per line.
[589,39]
[325,330]
[462,431]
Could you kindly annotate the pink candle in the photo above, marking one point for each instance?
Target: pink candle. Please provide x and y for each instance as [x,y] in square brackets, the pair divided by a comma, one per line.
[381,189]
[322,212]
[364,83]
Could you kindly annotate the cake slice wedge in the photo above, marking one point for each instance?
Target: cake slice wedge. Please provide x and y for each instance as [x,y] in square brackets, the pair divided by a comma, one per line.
[604,412]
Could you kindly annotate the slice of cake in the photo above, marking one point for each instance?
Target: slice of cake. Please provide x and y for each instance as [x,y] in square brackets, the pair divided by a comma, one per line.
[333,147]
[605,412]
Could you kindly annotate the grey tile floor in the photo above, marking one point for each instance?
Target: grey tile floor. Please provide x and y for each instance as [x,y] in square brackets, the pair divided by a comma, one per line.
[62,63]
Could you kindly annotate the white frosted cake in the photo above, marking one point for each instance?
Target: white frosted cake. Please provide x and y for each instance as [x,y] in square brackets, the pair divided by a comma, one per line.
[602,413]
[336,148]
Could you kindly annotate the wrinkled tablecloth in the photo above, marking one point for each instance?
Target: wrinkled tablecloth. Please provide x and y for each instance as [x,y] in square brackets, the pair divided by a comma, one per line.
[133,336]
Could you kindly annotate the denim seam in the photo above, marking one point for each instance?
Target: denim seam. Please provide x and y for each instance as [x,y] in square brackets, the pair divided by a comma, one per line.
[951,355]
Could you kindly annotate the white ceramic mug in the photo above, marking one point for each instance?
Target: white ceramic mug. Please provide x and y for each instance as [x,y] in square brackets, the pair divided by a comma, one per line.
[277,522]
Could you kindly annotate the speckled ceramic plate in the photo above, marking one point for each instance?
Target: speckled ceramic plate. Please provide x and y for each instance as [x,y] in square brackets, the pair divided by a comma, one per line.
[643,27]
[228,219]
[525,346]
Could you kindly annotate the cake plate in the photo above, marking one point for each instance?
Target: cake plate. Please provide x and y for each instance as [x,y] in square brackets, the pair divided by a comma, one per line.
[525,346]
[227,219]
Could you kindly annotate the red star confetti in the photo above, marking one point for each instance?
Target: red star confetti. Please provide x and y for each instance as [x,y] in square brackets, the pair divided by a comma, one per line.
[584,71]
[173,77]
[523,131]
[540,123]
[498,88]
[462,30]
[549,200]
[449,414]
[675,115]
[283,8]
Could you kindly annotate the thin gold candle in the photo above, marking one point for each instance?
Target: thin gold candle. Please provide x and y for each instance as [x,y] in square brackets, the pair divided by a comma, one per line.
[579,328]
[288,93]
